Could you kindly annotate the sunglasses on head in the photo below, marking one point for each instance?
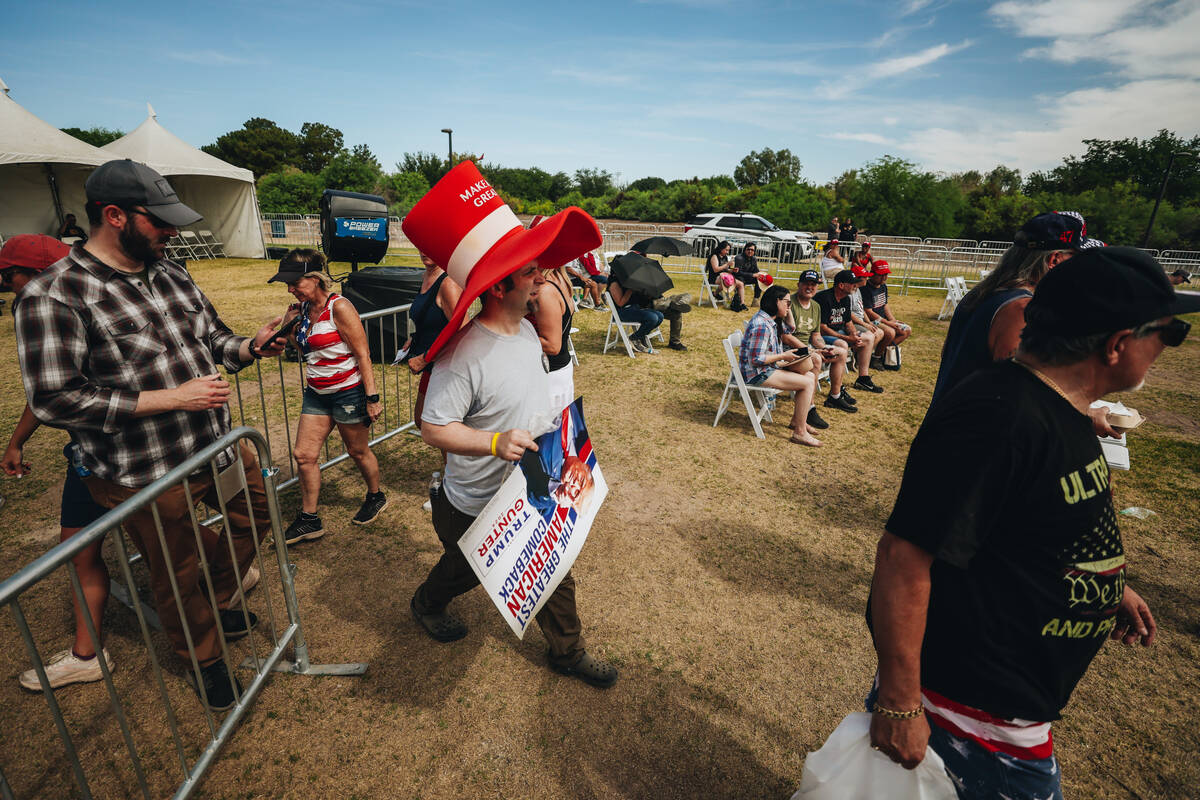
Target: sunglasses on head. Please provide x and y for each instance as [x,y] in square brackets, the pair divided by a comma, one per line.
[1172,333]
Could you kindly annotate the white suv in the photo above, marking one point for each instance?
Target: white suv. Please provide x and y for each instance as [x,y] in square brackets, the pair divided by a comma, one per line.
[741,227]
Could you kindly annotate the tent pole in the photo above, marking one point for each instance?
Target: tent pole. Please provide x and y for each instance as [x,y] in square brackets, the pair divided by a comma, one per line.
[53,182]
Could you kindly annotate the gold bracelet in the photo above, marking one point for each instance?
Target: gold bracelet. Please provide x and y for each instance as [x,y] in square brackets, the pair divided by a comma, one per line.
[890,714]
[495,438]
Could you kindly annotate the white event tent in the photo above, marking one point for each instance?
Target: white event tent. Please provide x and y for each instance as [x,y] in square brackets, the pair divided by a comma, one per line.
[223,193]
[42,171]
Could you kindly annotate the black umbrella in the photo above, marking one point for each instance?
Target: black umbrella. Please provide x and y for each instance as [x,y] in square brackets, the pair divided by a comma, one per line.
[642,275]
[663,246]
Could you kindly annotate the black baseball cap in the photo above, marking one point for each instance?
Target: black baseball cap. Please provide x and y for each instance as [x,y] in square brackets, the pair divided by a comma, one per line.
[845,276]
[1182,273]
[1103,290]
[810,276]
[126,183]
[1056,230]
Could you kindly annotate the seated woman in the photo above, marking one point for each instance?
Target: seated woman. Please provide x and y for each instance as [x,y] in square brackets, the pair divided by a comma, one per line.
[720,272]
[340,387]
[552,321]
[832,260]
[746,264]
[863,258]
[764,362]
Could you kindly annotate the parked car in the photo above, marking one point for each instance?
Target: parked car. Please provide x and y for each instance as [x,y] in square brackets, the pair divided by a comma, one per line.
[741,227]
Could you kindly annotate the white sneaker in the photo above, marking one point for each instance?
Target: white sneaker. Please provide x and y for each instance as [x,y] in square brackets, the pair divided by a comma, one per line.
[586,303]
[250,579]
[64,668]
[639,346]
[427,505]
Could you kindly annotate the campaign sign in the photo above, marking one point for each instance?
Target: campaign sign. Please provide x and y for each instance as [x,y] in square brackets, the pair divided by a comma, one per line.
[533,528]
[359,228]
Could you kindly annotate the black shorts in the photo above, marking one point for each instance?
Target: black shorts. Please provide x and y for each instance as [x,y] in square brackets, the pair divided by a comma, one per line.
[78,508]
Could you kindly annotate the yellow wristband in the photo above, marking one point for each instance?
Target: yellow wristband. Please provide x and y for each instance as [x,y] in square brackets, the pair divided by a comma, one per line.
[495,438]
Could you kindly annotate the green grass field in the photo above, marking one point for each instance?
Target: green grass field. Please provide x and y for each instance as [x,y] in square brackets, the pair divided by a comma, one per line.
[726,577]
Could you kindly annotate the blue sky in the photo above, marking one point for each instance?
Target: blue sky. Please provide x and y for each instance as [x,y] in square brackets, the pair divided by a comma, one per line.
[672,88]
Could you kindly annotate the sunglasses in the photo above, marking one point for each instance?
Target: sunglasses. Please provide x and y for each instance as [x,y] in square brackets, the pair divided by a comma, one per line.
[1172,333]
[155,221]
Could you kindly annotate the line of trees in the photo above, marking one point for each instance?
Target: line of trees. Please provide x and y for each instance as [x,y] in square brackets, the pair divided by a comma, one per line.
[1113,184]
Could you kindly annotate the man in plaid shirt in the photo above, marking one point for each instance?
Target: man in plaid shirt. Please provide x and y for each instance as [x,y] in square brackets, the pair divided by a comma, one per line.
[118,345]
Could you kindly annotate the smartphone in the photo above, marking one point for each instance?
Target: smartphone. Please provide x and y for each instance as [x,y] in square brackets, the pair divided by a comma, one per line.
[283,332]
[800,352]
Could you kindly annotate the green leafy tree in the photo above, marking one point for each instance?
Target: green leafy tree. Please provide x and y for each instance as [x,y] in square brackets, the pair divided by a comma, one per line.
[402,191]
[528,184]
[317,145]
[428,164]
[260,146]
[647,184]
[767,166]
[594,182]
[355,170]
[289,191]
[96,137]
[1137,161]
[895,197]
[795,206]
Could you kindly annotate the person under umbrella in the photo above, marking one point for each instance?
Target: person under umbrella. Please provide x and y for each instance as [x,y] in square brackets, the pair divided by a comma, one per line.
[637,285]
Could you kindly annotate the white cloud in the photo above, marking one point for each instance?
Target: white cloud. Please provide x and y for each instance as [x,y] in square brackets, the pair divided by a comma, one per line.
[901,64]
[1064,18]
[869,138]
[913,6]
[1138,108]
[890,120]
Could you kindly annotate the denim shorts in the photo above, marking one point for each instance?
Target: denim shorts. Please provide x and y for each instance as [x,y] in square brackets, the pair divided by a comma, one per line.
[830,340]
[761,378]
[346,407]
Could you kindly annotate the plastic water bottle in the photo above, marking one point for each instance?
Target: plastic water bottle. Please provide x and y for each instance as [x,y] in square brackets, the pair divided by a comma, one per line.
[435,484]
[76,458]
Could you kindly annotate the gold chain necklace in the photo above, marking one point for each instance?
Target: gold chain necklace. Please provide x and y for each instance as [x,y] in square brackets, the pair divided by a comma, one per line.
[1046,379]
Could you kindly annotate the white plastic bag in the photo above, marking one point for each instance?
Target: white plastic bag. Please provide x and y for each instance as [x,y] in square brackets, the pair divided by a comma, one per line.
[846,768]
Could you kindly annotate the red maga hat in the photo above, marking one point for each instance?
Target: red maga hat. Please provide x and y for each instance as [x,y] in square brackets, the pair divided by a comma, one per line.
[861,271]
[464,225]
[32,251]
[881,268]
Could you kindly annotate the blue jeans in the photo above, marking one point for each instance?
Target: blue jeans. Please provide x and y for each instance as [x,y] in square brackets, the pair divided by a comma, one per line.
[979,772]
[648,318]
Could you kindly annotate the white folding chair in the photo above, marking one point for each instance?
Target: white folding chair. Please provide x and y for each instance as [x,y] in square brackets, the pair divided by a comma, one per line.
[213,244]
[196,244]
[735,383]
[956,289]
[622,328]
[177,247]
[571,346]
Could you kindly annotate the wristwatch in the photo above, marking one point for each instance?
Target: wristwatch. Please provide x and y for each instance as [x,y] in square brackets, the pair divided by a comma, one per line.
[372,398]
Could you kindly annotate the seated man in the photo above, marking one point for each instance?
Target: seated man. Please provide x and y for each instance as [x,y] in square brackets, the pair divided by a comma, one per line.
[864,327]
[649,314]
[70,228]
[836,324]
[875,303]
[806,316]
[746,265]
[580,274]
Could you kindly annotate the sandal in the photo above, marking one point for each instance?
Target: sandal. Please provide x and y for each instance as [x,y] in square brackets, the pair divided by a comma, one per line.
[443,627]
[590,670]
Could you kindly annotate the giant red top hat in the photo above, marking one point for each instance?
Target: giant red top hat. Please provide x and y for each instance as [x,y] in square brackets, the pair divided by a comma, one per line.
[462,224]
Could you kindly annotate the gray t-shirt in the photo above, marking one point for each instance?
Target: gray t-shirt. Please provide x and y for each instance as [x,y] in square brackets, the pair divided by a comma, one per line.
[488,382]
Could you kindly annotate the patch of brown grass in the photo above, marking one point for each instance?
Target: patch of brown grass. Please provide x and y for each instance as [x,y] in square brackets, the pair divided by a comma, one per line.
[726,576]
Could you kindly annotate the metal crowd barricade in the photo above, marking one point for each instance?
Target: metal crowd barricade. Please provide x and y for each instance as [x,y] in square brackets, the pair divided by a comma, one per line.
[926,269]
[290,230]
[990,245]
[1180,259]
[949,244]
[196,745]
[268,400]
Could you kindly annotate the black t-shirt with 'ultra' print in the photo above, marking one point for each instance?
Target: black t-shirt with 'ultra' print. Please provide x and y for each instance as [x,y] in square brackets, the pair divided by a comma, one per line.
[1007,487]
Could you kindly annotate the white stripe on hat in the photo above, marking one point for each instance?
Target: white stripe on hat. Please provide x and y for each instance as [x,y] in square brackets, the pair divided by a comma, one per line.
[479,240]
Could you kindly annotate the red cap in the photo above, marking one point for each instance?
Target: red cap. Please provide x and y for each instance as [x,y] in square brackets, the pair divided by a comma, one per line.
[860,271]
[881,268]
[464,225]
[32,251]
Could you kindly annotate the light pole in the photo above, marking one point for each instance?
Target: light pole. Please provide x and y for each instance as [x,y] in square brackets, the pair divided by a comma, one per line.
[449,148]
[1161,191]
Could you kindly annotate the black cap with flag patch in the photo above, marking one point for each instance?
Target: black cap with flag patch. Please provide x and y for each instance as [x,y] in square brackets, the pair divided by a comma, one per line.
[126,183]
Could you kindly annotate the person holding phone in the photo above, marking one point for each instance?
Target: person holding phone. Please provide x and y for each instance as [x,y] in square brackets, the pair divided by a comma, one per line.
[806,320]
[763,361]
[340,387]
